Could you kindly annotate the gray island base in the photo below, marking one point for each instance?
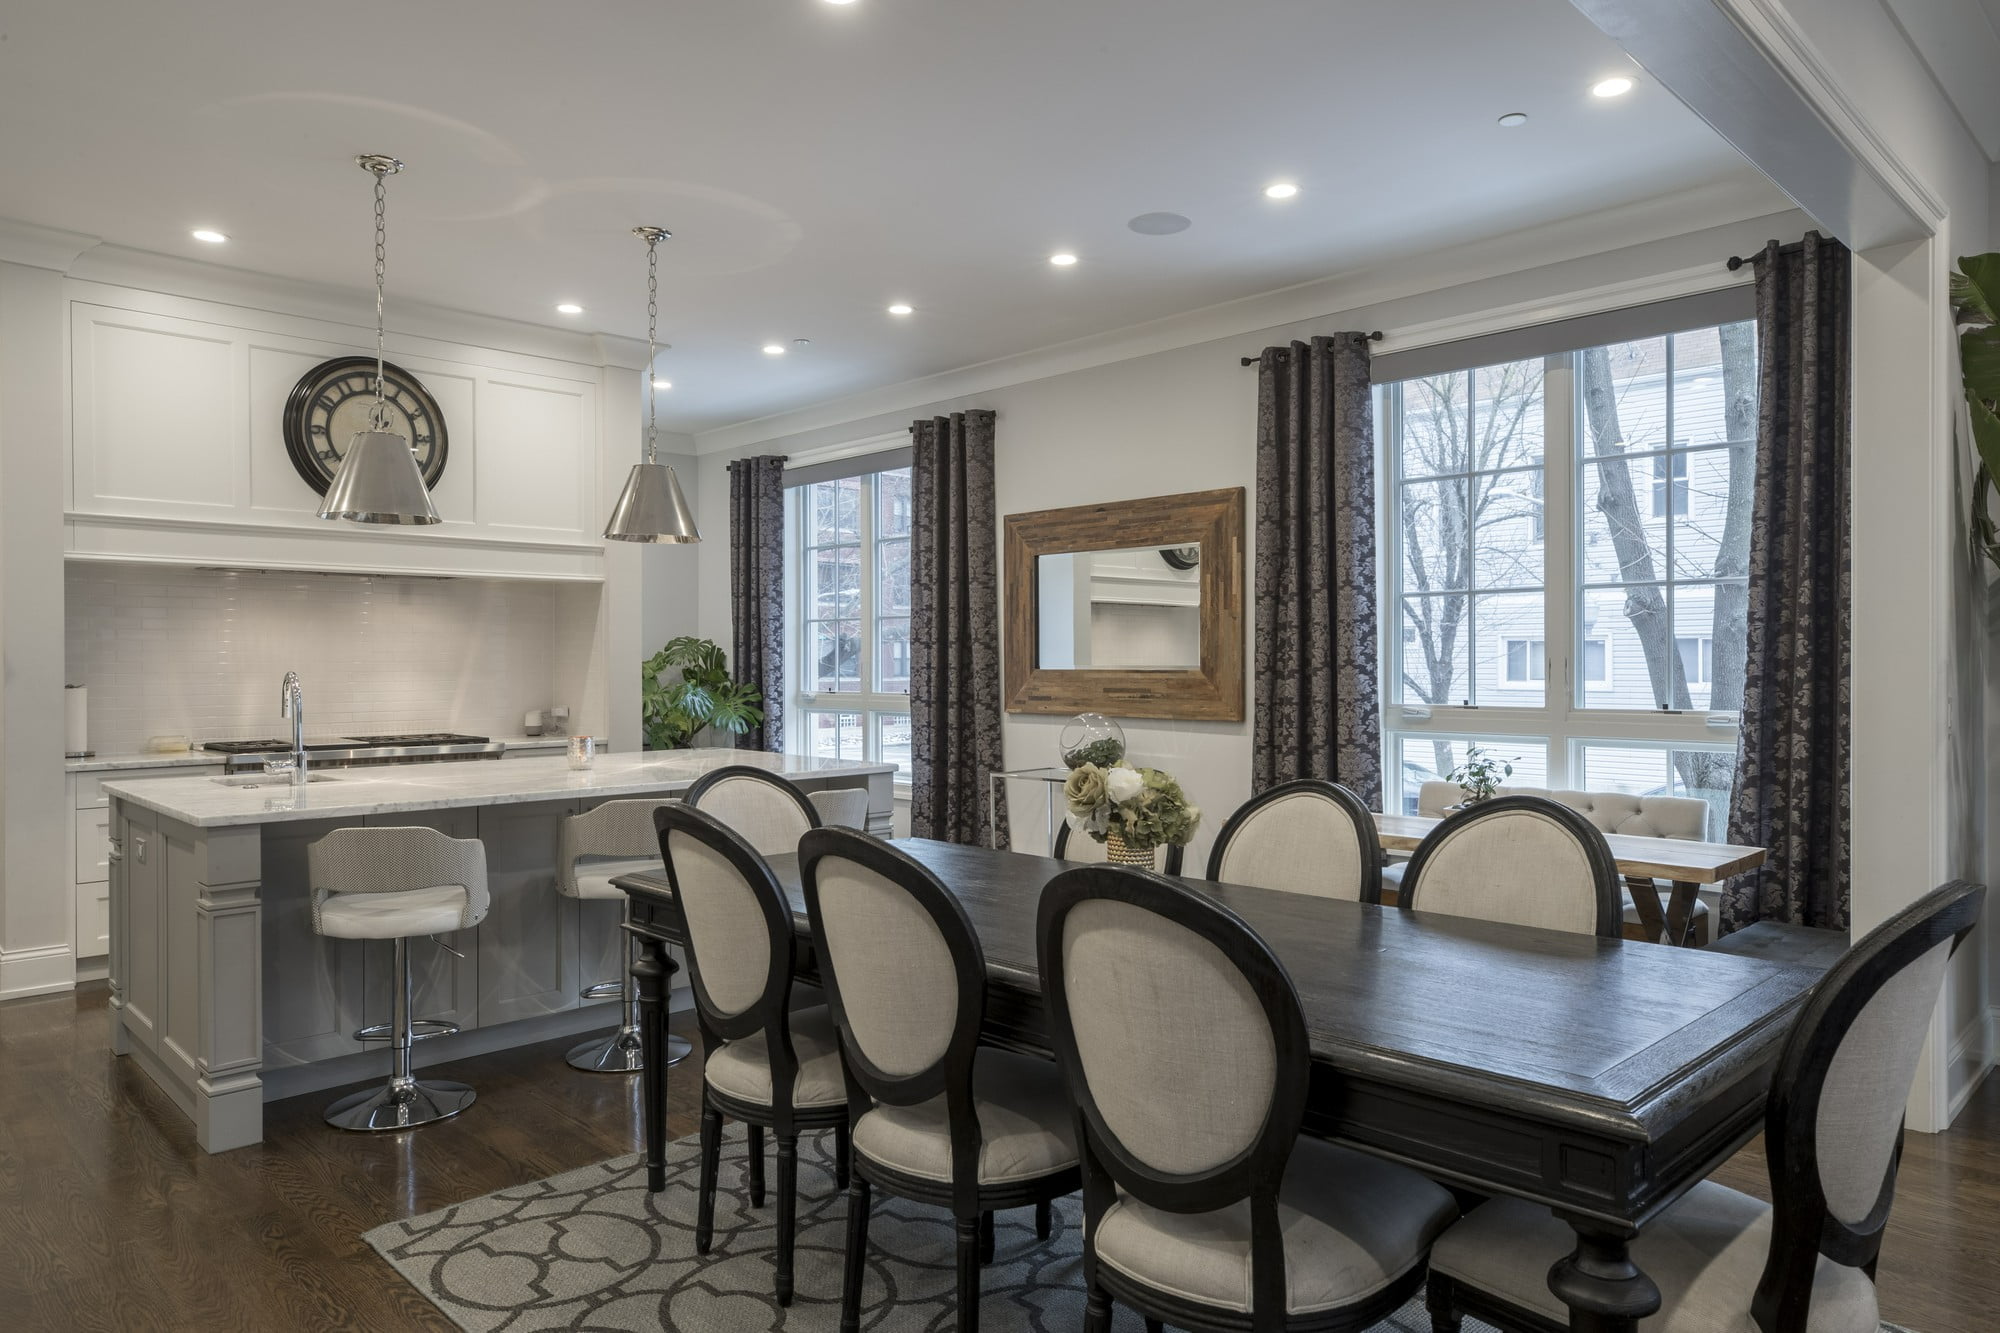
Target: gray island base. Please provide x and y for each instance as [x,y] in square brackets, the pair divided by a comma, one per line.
[222,992]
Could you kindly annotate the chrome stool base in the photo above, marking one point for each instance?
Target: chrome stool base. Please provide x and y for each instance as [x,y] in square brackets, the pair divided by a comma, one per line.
[621,1053]
[403,1104]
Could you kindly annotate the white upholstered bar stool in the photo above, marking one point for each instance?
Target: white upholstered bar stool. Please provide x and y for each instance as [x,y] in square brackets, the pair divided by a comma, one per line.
[592,849]
[841,807]
[396,884]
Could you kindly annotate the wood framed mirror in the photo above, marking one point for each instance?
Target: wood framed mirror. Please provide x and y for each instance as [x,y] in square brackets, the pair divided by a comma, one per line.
[1131,609]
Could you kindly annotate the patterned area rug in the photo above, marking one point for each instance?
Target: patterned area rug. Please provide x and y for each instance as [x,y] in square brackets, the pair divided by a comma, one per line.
[590,1249]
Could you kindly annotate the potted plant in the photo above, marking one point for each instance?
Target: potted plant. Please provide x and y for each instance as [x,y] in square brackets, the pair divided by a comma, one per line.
[1130,810]
[1479,777]
[704,696]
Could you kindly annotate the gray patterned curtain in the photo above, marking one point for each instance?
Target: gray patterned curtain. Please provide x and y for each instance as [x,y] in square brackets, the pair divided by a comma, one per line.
[757,588]
[1319,711]
[954,629]
[1791,771]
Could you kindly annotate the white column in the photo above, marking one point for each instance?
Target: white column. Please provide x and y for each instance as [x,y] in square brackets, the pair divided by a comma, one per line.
[37,908]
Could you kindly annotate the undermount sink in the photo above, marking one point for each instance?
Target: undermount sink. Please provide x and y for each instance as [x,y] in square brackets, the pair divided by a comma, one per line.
[250,780]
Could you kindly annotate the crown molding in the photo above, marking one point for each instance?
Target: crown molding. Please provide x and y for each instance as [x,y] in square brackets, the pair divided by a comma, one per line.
[1732,199]
[118,266]
[41,247]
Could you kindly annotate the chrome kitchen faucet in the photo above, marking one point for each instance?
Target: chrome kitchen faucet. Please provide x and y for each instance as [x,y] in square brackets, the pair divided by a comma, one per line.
[292,704]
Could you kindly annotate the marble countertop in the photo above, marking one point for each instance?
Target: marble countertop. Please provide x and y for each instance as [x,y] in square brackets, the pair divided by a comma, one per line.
[349,793]
[104,763]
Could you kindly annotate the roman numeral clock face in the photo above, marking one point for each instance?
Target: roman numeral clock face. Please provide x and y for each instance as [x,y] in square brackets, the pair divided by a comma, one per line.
[333,400]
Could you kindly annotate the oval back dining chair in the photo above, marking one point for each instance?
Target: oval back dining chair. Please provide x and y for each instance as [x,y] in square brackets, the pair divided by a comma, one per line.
[1523,859]
[1308,836]
[763,1062]
[1084,850]
[768,812]
[1833,1131]
[934,1116]
[1204,1208]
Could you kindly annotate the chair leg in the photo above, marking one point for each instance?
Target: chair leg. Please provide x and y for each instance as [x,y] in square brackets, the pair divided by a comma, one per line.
[756,1138]
[1153,1326]
[985,1238]
[1442,1303]
[788,1204]
[855,1268]
[968,1274]
[843,1156]
[711,1154]
[1097,1311]
[1044,1219]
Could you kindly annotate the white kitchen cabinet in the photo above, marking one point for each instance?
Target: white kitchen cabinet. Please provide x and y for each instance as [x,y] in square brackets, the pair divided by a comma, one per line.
[90,854]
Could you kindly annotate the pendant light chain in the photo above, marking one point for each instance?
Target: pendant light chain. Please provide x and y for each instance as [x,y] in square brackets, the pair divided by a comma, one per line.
[380,415]
[652,347]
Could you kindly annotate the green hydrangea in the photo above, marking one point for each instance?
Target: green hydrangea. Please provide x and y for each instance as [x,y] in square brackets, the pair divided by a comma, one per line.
[1160,815]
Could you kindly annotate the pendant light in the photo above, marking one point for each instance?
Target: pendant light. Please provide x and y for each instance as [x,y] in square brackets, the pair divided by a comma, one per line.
[378,480]
[651,508]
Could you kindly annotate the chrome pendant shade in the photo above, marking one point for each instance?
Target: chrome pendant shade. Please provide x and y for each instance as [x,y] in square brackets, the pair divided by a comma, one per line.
[378,480]
[651,508]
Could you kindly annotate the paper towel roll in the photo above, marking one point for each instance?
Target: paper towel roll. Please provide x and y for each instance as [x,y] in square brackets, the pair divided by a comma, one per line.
[76,726]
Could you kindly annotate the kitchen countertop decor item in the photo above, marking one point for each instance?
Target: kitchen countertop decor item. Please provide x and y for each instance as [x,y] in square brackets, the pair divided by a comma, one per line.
[1091,738]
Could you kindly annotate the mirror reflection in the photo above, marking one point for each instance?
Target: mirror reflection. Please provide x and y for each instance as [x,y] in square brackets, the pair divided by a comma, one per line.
[1129,610]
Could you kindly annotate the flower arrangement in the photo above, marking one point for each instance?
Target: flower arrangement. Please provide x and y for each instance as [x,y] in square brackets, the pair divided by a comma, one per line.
[1130,809]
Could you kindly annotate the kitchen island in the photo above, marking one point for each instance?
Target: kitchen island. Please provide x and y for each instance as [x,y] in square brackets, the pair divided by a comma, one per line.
[222,992]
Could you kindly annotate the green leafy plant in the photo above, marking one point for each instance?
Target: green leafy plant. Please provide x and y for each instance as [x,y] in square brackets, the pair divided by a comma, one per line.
[704,696]
[1975,303]
[1480,776]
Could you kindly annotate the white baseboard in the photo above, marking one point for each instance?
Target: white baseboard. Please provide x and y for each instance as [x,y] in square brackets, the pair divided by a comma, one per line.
[38,971]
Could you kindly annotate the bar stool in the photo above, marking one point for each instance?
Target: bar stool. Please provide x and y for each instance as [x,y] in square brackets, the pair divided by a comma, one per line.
[395,884]
[592,849]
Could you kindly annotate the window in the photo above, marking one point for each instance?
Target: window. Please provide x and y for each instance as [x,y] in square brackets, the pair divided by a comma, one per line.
[1564,539]
[849,660]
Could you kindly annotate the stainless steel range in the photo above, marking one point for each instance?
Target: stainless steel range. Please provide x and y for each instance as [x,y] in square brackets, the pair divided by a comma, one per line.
[359,751]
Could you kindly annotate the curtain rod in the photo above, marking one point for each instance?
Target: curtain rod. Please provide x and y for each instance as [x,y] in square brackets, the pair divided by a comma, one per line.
[1374,337]
[1738,261]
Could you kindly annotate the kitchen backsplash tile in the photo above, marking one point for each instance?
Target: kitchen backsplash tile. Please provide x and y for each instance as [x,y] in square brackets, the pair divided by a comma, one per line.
[200,652]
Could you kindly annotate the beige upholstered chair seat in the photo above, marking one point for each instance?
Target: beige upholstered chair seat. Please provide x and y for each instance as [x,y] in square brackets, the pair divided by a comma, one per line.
[1025,1124]
[742,1069]
[391,916]
[1352,1224]
[595,873]
[1706,1253]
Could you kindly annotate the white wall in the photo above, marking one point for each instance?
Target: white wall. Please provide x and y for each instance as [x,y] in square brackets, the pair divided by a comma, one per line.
[199,652]
[1185,420]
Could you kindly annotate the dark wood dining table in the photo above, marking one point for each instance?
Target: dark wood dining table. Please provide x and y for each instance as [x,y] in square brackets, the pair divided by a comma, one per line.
[1601,1078]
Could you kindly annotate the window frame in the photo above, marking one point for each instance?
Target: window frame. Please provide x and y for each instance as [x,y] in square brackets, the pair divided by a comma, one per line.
[1562,723]
[872,703]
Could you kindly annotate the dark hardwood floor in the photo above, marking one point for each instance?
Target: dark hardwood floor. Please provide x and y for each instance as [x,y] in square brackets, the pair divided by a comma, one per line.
[111,1218]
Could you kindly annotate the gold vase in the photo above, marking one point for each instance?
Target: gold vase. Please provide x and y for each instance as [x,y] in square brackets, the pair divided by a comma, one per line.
[1119,853]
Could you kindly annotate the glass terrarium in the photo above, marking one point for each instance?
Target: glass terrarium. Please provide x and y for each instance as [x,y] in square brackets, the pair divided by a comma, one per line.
[1091,738]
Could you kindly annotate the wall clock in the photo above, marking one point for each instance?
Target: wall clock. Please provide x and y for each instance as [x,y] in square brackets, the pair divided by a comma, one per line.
[331,402]
[1181,557]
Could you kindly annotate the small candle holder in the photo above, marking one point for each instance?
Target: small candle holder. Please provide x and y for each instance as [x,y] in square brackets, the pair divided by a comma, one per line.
[582,752]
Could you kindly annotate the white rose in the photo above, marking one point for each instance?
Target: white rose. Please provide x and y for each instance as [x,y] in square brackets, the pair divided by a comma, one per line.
[1122,784]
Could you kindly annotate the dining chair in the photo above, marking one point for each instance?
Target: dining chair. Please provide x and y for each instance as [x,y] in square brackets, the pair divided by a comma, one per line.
[1308,836]
[764,1063]
[1833,1130]
[934,1116]
[1203,1207]
[1683,818]
[1522,859]
[1082,849]
[770,813]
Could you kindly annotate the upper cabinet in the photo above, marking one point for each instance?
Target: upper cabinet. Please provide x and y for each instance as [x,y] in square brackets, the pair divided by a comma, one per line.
[177,448]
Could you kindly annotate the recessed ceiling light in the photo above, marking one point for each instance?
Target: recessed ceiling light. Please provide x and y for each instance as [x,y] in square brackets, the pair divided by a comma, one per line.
[774,349]
[902,308]
[663,384]
[1062,259]
[1280,190]
[569,308]
[1615,86]
[1514,119]
[208,234]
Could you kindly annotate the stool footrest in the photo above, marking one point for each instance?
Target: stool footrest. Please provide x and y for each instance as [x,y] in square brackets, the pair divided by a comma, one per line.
[604,990]
[421,1029]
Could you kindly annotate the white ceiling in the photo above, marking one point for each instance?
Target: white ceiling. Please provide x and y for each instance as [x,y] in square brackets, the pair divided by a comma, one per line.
[816,162]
